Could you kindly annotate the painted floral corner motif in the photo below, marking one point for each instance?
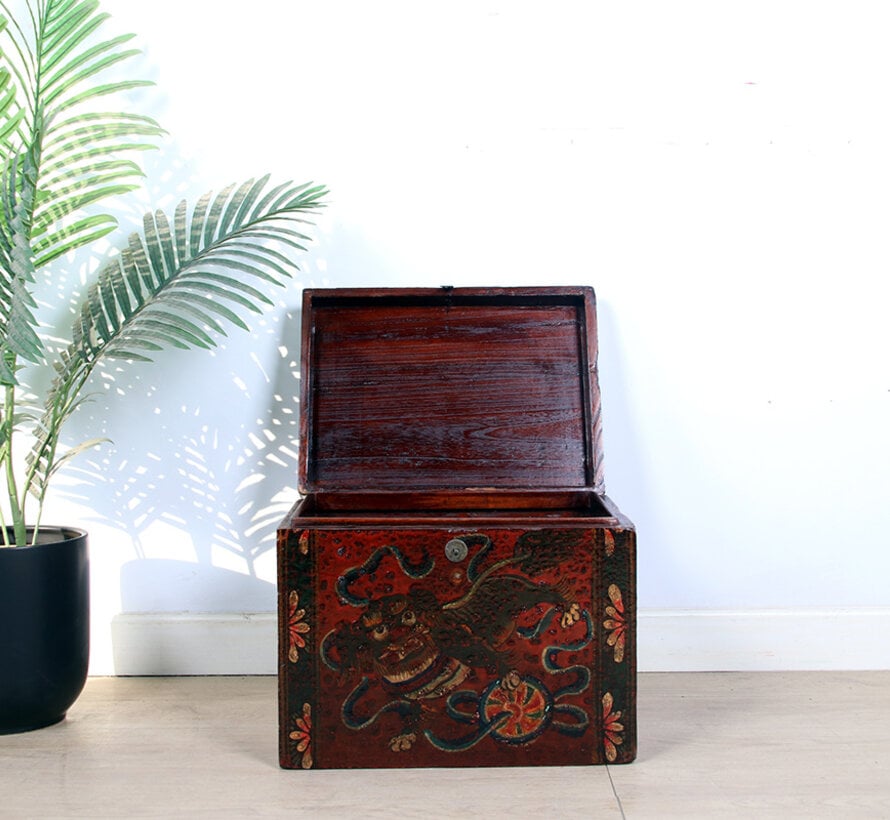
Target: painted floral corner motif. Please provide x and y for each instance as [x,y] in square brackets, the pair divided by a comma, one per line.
[296,626]
[616,623]
[612,729]
[302,735]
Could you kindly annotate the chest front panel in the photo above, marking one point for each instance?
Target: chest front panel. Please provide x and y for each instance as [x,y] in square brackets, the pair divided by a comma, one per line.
[456,646]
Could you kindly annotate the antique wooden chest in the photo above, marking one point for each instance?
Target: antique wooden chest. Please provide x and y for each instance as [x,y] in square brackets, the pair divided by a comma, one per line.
[454,587]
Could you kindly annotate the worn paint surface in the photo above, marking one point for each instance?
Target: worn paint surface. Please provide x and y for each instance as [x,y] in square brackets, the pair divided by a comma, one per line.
[432,647]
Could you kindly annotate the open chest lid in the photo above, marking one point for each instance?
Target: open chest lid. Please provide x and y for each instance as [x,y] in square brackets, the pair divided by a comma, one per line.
[416,390]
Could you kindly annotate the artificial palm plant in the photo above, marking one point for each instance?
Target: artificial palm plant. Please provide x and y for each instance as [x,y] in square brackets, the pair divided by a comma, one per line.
[177,283]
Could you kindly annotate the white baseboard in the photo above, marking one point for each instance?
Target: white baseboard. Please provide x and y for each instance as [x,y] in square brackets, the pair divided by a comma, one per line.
[163,643]
[763,640]
[188,643]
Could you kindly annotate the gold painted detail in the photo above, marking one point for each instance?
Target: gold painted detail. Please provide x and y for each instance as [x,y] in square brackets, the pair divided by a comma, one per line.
[616,623]
[612,729]
[303,736]
[296,626]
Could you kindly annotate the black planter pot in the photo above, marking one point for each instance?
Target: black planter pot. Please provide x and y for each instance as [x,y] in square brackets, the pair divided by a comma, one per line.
[44,628]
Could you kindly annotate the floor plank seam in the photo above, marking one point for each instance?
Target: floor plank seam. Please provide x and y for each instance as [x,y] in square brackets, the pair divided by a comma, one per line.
[615,792]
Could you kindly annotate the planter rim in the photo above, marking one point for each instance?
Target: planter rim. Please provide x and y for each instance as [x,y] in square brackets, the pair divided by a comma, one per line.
[55,533]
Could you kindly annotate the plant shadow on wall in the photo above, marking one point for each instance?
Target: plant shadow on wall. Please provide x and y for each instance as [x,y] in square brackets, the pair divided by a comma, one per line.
[208,466]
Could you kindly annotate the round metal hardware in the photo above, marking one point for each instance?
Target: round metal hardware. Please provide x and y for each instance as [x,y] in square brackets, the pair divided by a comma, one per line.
[456,550]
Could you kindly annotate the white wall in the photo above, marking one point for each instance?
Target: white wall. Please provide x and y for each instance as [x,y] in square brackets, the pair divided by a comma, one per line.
[720,172]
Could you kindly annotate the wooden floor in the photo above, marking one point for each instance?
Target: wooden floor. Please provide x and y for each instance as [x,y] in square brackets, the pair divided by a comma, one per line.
[755,745]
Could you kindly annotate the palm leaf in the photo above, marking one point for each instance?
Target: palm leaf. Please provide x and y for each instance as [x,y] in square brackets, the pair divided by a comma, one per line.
[11,114]
[91,62]
[178,284]
[222,287]
[101,91]
[68,455]
[19,337]
[215,275]
[72,237]
[59,159]
[17,334]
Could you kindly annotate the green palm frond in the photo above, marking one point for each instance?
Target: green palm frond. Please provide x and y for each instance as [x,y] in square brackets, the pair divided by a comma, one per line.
[179,284]
[19,325]
[11,114]
[19,337]
[183,279]
[60,157]
[66,59]
[76,140]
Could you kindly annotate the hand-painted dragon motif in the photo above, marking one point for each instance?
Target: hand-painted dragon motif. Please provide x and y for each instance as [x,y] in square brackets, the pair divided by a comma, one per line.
[420,649]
